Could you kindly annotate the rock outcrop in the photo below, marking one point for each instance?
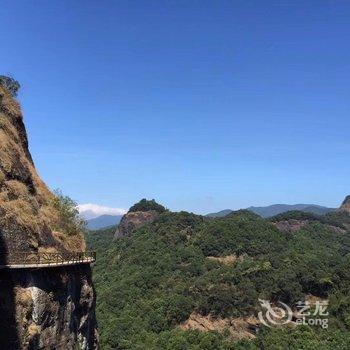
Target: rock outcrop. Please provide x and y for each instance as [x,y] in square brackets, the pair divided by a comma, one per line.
[134,220]
[291,225]
[48,309]
[227,259]
[51,308]
[237,328]
[140,214]
[346,205]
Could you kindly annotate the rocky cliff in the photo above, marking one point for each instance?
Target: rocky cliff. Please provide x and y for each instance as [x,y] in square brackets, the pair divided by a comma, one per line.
[134,220]
[51,308]
[140,214]
[346,205]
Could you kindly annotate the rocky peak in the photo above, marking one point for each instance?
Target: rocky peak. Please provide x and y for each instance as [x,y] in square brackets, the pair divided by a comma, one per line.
[346,205]
[140,214]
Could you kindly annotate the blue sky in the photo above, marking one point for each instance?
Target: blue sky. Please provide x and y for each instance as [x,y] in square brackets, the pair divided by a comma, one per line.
[202,105]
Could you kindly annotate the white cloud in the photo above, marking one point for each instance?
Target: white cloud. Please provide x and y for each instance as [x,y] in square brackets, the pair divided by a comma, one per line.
[90,211]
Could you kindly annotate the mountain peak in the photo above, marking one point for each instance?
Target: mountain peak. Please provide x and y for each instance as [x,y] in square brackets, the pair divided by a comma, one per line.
[346,205]
[147,205]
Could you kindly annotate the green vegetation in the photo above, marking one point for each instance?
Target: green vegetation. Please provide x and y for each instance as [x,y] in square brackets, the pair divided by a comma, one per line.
[338,219]
[149,283]
[10,84]
[69,220]
[147,205]
[296,215]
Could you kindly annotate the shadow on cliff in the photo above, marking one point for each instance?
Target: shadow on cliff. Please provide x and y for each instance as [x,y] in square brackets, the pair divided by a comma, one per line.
[9,339]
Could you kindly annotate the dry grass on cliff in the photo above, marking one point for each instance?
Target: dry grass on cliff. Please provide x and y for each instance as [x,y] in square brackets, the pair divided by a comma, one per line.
[26,204]
[19,213]
[74,243]
[17,189]
[23,297]
[8,104]
[2,177]
[10,130]
[33,330]
[12,153]
[5,152]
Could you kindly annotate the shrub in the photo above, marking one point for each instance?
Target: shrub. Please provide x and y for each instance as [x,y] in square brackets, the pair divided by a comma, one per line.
[295,215]
[10,84]
[147,205]
[69,220]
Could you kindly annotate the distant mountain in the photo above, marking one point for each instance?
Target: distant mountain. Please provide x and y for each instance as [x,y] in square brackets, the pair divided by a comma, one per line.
[103,221]
[220,214]
[276,209]
[346,205]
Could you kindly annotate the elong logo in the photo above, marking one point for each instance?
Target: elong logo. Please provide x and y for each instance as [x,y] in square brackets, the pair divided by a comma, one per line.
[279,316]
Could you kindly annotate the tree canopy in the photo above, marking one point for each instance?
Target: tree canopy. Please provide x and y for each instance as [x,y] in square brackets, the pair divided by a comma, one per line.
[149,283]
[10,84]
[147,205]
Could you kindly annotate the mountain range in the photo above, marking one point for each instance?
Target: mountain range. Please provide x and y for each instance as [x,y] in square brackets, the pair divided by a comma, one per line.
[276,209]
[103,221]
[182,281]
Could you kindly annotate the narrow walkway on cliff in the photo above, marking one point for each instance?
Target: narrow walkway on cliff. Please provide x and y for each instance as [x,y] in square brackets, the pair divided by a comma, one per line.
[23,260]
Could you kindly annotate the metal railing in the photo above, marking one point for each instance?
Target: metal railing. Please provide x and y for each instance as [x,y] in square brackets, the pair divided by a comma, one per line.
[35,258]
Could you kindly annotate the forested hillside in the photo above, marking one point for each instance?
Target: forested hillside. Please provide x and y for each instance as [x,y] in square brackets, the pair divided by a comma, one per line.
[155,286]
[272,210]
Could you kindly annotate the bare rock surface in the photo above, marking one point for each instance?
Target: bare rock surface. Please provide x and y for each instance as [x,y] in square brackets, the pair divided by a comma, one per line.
[52,309]
[346,205]
[227,259]
[238,328]
[135,220]
[291,225]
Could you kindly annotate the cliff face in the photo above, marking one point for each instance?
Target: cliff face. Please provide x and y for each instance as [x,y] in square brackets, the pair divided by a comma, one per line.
[51,308]
[134,220]
[346,205]
[28,218]
[140,214]
[48,309]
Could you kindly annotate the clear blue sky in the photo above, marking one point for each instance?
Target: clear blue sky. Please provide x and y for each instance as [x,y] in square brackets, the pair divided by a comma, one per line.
[202,105]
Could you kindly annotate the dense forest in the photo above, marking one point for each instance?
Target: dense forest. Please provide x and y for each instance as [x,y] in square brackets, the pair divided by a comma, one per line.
[150,283]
